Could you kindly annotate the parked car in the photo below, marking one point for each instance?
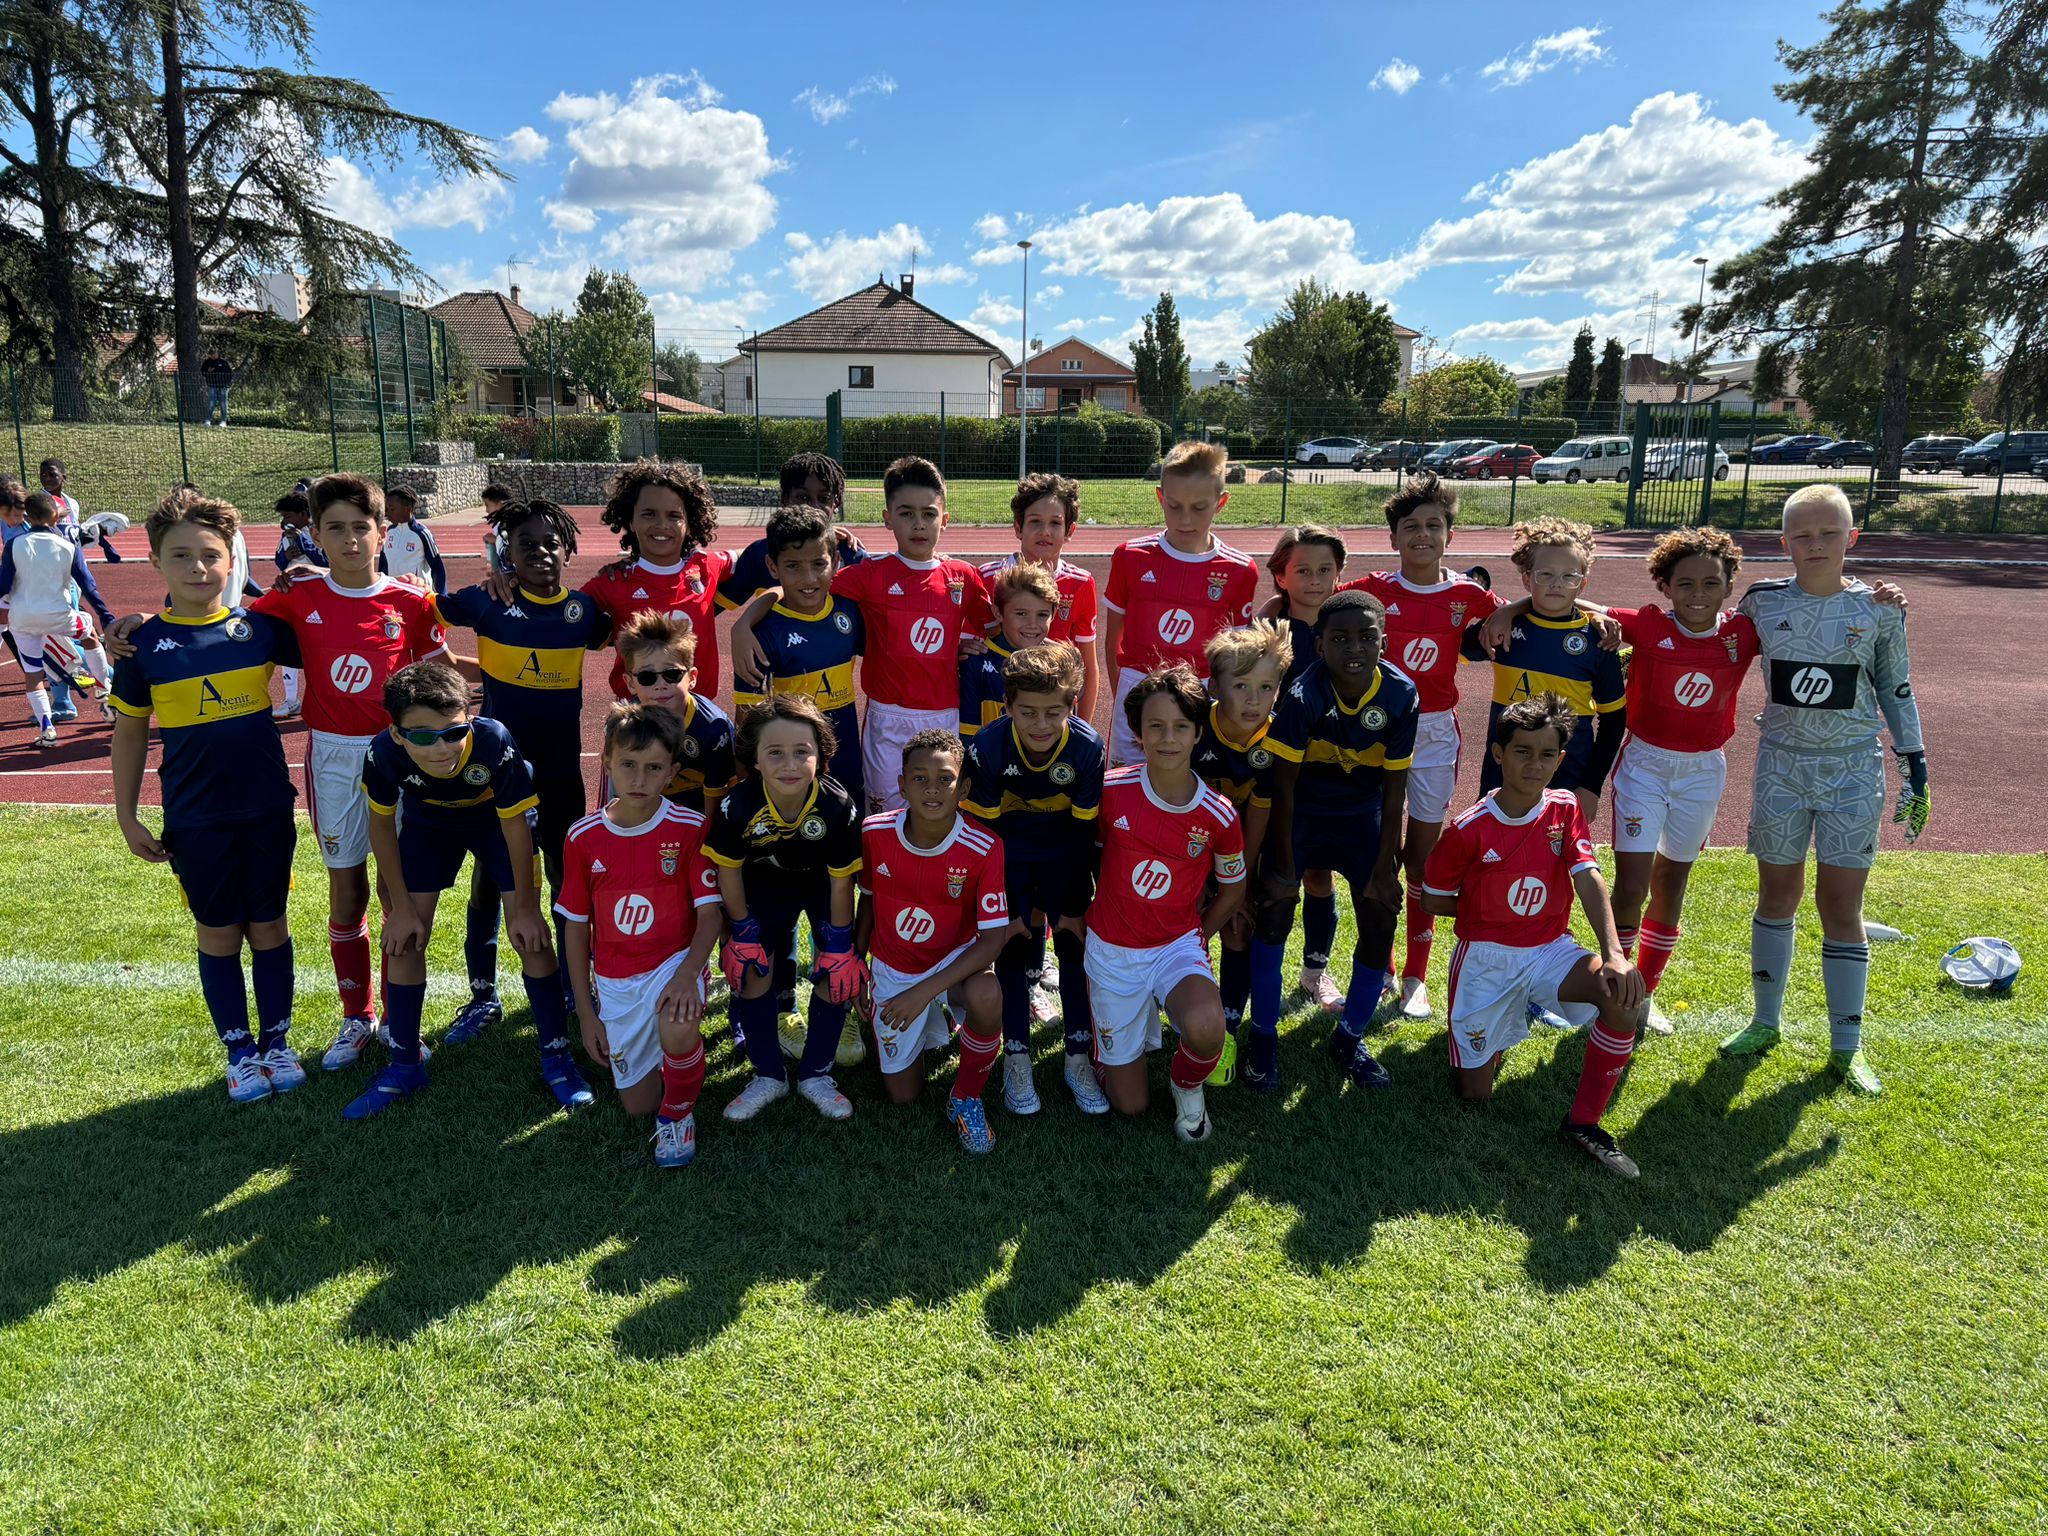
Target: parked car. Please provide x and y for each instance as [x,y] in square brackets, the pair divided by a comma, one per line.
[1681,461]
[2041,467]
[1584,458]
[1504,461]
[1330,450]
[2014,452]
[1789,450]
[1400,453]
[1925,455]
[1444,455]
[1835,455]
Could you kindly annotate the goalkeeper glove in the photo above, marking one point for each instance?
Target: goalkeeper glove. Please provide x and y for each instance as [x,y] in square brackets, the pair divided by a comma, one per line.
[839,969]
[744,951]
[1915,802]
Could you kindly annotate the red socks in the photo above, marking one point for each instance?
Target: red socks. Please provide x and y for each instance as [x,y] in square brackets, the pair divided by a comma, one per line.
[1659,943]
[978,1055]
[1606,1055]
[1421,934]
[349,948]
[1628,941]
[1188,1069]
[682,1080]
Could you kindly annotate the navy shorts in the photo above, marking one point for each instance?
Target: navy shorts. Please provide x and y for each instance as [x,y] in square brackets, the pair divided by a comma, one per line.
[235,872]
[777,911]
[431,850]
[563,803]
[1347,845]
[1057,887]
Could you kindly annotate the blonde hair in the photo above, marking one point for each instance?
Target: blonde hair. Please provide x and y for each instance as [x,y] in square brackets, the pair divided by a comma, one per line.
[1551,533]
[1234,652]
[1192,458]
[217,517]
[655,631]
[1025,577]
[1819,495]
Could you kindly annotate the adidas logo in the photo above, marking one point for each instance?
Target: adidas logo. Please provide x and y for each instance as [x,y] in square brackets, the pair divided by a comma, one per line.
[313,617]
[895,589]
[1666,644]
[1123,824]
[1148,576]
[639,594]
[597,866]
[1782,627]
[1492,857]
[1393,608]
[883,871]
[166,644]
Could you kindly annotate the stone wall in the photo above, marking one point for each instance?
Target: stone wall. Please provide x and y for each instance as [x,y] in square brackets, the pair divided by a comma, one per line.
[447,477]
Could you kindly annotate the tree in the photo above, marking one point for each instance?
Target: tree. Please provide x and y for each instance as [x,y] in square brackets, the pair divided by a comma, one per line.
[1578,376]
[1841,378]
[1607,385]
[603,346]
[1327,349]
[1547,398]
[1472,386]
[1161,362]
[681,370]
[1889,88]
[1219,406]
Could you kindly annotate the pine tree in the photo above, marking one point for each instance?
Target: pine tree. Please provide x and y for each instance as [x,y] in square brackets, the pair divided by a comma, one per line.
[1160,359]
[1607,385]
[1578,376]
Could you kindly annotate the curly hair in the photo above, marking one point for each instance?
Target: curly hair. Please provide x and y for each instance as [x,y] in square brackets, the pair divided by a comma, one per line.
[1345,602]
[513,514]
[1034,488]
[622,496]
[935,741]
[1684,543]
[799,467]
[1551,533]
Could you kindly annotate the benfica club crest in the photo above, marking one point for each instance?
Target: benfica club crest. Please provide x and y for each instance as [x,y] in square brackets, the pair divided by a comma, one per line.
[696,583]
[394,626]
[1733,645]
[956,589]
[1066,607]
[669,854]
[1557,840]
[1457,615]
[1198,841]
[956,882]
[1216,586]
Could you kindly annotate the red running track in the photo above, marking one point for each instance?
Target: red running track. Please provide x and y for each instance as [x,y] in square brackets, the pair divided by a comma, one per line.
[1982,698]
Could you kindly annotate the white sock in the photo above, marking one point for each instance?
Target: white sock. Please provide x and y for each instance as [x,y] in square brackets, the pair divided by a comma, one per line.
[96,664]
[39,707]
[291,686]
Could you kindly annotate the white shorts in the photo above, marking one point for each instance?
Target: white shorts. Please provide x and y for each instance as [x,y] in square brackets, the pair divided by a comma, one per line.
[335,799]
[31,630]
[1433,774]
[899,1049]
[1128,987]
[627,1004]
[1492,986]
[1665,801]
[883,736]
[1123,741]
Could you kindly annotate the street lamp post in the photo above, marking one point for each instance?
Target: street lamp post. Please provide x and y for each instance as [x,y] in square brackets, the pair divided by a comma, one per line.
[1024,363]
[1691,366]
[1621,389]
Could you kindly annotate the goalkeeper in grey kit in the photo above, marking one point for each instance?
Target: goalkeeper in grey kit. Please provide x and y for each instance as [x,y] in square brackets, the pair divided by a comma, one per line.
[1834,664]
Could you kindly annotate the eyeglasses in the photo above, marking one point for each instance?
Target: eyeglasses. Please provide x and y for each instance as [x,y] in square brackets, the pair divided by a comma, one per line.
[423,737]
[647,677]
[1558,579]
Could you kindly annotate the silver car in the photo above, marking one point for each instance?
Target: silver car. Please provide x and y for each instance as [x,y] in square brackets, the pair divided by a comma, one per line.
[1681,461]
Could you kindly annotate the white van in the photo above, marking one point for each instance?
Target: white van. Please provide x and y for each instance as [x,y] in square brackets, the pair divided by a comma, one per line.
[1585,458]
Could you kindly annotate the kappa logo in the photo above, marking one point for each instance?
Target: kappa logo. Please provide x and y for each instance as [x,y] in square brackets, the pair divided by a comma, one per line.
[914,925]
[1694,690]
[633,914]
[415,781]
[166,644]
[1012,772]
[796,640]
[514,611]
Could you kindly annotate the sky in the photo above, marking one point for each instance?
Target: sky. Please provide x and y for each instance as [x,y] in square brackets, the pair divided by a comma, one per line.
[1496,173]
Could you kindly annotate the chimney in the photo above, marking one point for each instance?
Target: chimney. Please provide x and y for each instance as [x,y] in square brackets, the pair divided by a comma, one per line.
[907,281]
[515,295]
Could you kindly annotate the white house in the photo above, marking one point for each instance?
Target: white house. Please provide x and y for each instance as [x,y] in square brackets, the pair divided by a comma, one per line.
[881,349]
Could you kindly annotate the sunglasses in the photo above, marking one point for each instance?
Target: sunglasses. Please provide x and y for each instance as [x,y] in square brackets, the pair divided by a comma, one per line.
[423,737]
[647,677]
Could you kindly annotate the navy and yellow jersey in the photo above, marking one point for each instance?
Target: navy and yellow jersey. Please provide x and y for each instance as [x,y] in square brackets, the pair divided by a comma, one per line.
[531,653]
[490,773]
[1303,633]
[1560,656]
[981,687]
[811,654]
[207,681]
[1044,810]
[708,766]
[1344,749]
[752,572]
[776,853]
[1240,771]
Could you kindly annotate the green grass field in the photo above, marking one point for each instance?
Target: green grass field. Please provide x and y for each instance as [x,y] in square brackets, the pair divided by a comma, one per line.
[127,467]
[1813,1313]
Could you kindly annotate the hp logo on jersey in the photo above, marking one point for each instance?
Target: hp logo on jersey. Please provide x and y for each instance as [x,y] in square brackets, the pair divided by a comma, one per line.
[1527,895]
[1811,685]
[1151,879]
[351,674]
[633,915]
[927,636]
[1176,626]
[1695,690]
[1419,655]
[914,925]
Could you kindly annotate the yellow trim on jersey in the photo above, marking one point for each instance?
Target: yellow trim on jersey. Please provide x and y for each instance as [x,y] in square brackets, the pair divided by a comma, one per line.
[1364,698]
[1375,756]
[828,687]
[507,812]
[847,872]
[1216,725]
[532,596]
[530,666]
[768,807]
[211,696]
[791,613]
[212,618]
[133,711]
[1511,684]
[721,860]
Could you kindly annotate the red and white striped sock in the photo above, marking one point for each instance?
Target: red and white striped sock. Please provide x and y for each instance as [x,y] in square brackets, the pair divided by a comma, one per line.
[682,1080]
[349,949]
[978,1055]
[1659,944]
[1607,1055]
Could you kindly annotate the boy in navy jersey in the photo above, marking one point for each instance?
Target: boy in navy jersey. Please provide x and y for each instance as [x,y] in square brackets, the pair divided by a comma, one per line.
[530,652]
[1344,733]
[465,792]
[1036,779]
[659,655]
[203,670]
[1025,598]
[809,480]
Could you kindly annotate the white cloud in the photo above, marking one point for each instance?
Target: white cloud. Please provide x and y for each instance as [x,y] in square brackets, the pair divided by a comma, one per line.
[351,196]
[570,218]
[1574,45]
[523,146]
[1398,76]
[839,265]
[997,319]
[1075,326]
[991,226]
[998,255]
[472,200]
[1048,293]
[1221,334]
[829,106]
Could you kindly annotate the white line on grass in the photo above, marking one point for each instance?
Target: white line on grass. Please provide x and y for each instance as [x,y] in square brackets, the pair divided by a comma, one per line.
[158,976]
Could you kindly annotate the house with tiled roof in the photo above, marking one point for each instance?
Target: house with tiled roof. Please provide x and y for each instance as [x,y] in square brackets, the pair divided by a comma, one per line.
[485,327]
[880,348]
[1072,372]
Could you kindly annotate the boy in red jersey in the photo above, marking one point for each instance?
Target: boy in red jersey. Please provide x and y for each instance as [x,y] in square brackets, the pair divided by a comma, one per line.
[1168,842]
[1169,592]
[1044,512]
[933,918]
[916,606]
[665,520]
[1506,870]
[641,904]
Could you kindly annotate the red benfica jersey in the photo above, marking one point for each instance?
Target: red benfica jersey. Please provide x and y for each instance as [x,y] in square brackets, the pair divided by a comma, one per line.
[1682,687]
[638,887]
[1512,879]
[352,639]
[686,590]
[915,612]
[1158,860]
[930,901]
[1075,619]
[1172,603]
[1425,627]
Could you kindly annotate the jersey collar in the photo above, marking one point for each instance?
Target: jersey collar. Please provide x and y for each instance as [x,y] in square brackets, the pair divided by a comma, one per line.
[377,586]
[916,565]
[1364,698]
[805,618]
[1145,783]
[902,826]
[1493,809]
[1024,752]
[1578,620]
[1215,548]
[212,618]
[647,565]
[527,594]
[1216,725]
[661,817]
[768,804]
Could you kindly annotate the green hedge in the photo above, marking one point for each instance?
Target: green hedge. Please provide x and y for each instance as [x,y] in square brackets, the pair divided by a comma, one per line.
[577,439]
[1090,442]
[1540,432]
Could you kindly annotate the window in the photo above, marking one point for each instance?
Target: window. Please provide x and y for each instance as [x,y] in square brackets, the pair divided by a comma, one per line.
[1070,397]
[1070,365]
[1032,399]
[860,376]
[1114,399]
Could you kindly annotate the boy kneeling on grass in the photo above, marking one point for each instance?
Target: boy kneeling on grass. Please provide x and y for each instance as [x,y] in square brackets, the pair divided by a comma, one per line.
[1506,870]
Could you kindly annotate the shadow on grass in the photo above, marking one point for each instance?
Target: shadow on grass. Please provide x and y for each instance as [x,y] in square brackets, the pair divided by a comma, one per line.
[438,1201]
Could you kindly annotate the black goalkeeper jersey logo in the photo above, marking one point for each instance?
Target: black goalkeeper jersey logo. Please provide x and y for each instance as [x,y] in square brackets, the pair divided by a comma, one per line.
[1813,684]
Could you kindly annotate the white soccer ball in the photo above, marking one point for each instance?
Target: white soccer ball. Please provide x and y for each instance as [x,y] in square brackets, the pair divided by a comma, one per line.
[1989,963]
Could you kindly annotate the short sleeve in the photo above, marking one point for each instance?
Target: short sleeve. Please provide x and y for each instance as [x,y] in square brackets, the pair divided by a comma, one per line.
[864,879]
[1245,593]
[747,577]
[1288,735]
[1085,793]
[1631,622]
[1084,618]
[721,769]
[702,876]
[1580,836]
[724,840]
[984,791]
[1444,872]
[130,689]
[380,787]
[284,644]
[842,845]
[276,605]
[1400,745]
[464,608]
[1610,683]
[423,629]
[1748,606]
[511,782]
[991,901]
[1118,597]
[977,612]
[1227,851]
[573,899]
[851,581]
